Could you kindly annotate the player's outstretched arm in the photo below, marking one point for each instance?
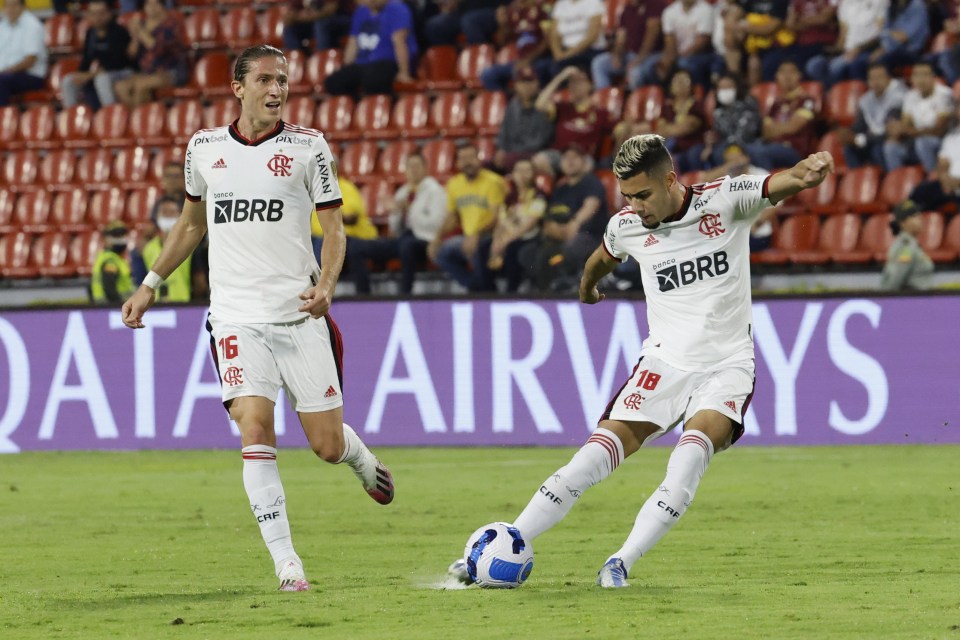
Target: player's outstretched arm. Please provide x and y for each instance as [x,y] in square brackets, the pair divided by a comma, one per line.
[318,298]
[598,265]
[183,239]
[806,174]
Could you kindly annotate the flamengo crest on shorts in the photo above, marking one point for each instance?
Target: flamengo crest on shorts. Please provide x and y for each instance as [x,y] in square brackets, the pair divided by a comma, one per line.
[696,270]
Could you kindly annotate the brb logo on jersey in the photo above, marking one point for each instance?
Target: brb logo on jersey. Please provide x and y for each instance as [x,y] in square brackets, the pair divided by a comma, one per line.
[673,276]
[240,210]
[280,165]
[710,225]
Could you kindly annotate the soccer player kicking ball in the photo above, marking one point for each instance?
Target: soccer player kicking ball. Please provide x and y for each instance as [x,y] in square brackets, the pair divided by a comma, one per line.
[697,365]
[269,325]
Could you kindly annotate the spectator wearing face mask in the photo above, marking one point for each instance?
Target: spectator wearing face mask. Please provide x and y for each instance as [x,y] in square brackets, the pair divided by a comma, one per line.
[178,286]
[736,122]
[111,281]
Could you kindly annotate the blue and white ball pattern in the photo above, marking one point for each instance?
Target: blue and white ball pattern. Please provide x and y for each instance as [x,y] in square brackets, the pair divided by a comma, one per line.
[498,557]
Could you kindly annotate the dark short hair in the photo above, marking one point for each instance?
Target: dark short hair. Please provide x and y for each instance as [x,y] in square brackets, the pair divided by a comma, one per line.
[645,153]
[247,57]
[791,63]
[878,65]
[467,145]
[924,63]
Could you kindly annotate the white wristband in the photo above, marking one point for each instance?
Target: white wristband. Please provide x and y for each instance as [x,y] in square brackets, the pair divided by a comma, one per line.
[153,281]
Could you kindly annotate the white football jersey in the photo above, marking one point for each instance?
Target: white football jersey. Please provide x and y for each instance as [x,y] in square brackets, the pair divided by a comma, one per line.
[260,195]
[695,268]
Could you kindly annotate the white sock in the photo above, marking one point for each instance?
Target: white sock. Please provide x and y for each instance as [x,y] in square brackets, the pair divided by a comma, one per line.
[261,479]
[686,467]
[600,455]
[355,453]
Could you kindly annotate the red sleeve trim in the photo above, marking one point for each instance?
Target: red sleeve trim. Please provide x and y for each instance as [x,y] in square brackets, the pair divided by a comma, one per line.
[193,198]
[765,189]
[603,243]
[320,206]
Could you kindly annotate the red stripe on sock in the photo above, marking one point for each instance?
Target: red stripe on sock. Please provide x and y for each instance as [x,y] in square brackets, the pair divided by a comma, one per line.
[688,439]
[259,456]
[608,444]
[611,442]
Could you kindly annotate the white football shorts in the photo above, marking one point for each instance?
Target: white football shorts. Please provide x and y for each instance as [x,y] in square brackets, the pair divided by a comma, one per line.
[666,396]
[303,357]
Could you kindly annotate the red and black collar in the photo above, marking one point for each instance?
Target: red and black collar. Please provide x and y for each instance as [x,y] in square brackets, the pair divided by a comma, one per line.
[239,137]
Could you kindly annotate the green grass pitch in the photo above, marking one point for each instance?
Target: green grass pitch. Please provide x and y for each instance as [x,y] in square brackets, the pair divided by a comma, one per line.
[851,542]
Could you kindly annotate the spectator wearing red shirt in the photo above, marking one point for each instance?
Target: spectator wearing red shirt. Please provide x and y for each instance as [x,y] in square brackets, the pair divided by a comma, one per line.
[522,24]
[159,44]
[788,124]
[639,35]
[326,21]
[577,121]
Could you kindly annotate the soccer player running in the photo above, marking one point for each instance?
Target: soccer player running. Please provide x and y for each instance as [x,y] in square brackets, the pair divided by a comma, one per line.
[269,324]
[696,366]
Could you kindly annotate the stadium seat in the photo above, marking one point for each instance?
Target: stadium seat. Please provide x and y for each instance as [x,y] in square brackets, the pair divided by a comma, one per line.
[644,104]
[36,127]
[441,158]
[766,92]
[297,73]
[203,29]
[15,256]
[161,158]
[410,119]
[300,111]
[359,160]
[94,169]
[898,184]
[947,249]
[841,107]
[378,196]
[140,203]
[838,235]
[875,240]
[831,142]
[9,122]
[321,64]
[8,201]
[55,75]
[106,206]
[487,110]
[507,54]
[857,191]
[60,34]
[816,200]
[73,126]
[211,77]
[50,253]
[239,28]
[69,210]
[797,235]
[270,26]
[611,19]
[392,159]
[486,148]
[449,112]
[111,123]
[83,248]
[334,116]
[56,170]
[147,127]
[615,201]
[32,211]
[611,99]
[131,167]
[472,60]
[371,117]
[438,69]
[20,170]
[183,120]
[221,112]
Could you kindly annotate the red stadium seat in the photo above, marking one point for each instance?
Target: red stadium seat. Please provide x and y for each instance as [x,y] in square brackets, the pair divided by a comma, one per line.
[486,149]
[841,107]
[20,170]
[147,126]
[644,104]
[73,127]
[297,73]
[94,169]
[471,61]
[441,158]
[378,196]
[393,157]
[83,249]
[183,120]
[797,234]
[334,116]
[359,160]
[211,77]
[931,235]
[764,93]
[239,28]
[60,34]
[15,256]
[8,201]
[203,29]
[221,112]
[611,19]
[898,184]
[161,158]
[611,99]
[32,211]
[51,255]
[371,117]
[820,198]
[106,206]
[948,248]
[410,119]
[36,127]
[831,142]
[875,240]
[615,201]
[131,167]
[9,122]
[140,204]
[69,210]
[507,54]
[270,26]
[320,65]
[858,191]
[838,235]
[449,114]
[486,112]
[300,111]
[56,170]
[438,69]
[111,123]
[57,71]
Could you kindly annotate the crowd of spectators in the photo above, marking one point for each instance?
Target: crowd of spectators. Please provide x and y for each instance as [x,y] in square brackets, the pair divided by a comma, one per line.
[529,214]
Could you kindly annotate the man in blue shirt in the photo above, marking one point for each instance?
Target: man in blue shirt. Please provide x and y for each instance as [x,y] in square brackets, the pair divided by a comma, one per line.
[381,49]
[23,55]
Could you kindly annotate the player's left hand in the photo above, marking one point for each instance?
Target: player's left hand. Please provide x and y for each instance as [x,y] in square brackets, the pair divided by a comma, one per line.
[315,302]
[591,296]
[815,168]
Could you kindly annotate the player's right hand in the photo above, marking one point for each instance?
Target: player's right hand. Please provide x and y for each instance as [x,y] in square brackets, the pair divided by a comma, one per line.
[136,305]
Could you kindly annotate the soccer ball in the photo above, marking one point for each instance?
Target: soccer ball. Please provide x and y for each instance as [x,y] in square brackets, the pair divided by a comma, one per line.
[498,557]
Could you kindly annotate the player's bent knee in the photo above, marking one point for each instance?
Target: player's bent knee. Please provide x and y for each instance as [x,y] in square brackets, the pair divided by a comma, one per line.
[329,451]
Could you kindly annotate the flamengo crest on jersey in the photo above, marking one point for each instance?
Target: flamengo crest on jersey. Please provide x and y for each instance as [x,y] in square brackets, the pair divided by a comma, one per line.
[696,271]
[259,197]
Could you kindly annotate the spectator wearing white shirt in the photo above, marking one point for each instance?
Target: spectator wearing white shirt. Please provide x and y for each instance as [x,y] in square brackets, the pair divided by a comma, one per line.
[861,25]
[576,36]
[875,108]
[23,54]
[945,188]
[688,27]
[927,110]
